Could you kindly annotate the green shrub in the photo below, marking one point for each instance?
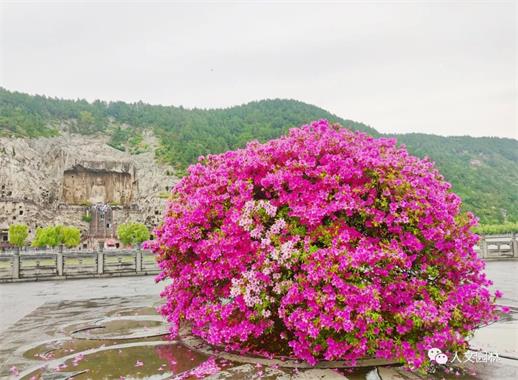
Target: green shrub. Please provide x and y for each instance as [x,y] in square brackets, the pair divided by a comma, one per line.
[496,229]
[86,218]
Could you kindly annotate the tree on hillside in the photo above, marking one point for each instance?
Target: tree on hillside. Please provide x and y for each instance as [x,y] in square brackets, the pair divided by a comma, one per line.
[86,118]
[132,233]
[18,234]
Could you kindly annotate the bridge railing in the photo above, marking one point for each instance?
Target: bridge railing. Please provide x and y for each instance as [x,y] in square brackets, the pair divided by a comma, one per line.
[80,264]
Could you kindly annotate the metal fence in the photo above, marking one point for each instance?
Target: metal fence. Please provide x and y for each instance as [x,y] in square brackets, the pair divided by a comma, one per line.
[81,264]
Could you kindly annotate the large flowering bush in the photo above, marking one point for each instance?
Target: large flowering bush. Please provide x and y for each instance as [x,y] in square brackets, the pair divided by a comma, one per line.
[340,245]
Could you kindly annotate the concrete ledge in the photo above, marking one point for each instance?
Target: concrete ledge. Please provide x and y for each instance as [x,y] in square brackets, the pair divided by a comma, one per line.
[500,258]
[78,276]
[197,344]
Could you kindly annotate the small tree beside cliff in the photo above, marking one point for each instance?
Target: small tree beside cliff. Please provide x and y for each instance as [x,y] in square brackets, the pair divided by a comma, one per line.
[132,233]
[70,236]
[18,234]
[53,236]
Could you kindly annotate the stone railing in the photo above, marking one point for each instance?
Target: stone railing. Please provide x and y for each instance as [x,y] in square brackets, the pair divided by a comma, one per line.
[497,246]
[82,264]
[52,265]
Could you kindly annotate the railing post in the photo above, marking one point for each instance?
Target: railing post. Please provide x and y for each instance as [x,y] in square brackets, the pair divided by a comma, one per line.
[100,262]
[16,265]
[59,263]
[483,246]
[514,245]
[138,261]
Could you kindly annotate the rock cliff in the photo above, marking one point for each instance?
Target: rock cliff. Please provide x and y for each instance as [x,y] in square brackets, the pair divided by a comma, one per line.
[46,181]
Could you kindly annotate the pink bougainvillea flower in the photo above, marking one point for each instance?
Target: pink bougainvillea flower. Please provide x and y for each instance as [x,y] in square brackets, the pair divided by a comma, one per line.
[139,363]
[60,367]
[14,371]
[327,243]
[77,359]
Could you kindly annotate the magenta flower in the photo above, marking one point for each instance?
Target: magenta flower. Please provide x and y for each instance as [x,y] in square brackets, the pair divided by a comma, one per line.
[14,371]
[343,245]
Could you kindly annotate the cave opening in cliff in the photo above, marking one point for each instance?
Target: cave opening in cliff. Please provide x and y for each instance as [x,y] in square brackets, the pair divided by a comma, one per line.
[83,186]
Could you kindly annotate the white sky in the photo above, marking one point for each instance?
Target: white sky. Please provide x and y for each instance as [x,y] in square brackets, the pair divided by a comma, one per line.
[443,67]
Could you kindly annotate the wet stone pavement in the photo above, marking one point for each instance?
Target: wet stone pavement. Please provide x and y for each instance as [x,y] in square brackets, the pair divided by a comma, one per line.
[109,329]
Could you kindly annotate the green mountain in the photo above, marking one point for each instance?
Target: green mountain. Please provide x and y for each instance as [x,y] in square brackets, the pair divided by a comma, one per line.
[483,171]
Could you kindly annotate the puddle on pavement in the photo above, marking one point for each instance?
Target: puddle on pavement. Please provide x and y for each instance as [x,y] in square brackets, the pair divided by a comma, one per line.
[133,362]
[58,349]
[356,373]
[121,327]
[132,312]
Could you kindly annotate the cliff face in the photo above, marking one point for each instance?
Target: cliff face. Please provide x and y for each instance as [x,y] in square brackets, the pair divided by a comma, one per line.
[53,180]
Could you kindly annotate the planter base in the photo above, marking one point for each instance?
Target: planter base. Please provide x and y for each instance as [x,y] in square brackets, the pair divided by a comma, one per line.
[197,344]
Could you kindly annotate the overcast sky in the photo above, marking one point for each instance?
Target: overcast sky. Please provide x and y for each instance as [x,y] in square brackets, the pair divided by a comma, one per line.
[447,68]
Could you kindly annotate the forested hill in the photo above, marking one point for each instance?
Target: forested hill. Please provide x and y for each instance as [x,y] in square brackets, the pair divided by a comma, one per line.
[483,171]
[185,133]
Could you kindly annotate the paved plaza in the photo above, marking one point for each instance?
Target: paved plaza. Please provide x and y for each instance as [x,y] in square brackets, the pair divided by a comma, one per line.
[108,328]
[19,299]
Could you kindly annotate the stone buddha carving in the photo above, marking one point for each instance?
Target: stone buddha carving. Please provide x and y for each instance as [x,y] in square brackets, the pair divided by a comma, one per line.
[98,191]
[78,194]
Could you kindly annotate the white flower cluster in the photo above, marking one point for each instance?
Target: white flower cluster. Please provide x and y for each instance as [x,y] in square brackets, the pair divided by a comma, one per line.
[283,254]
[250,287]
[252,207]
